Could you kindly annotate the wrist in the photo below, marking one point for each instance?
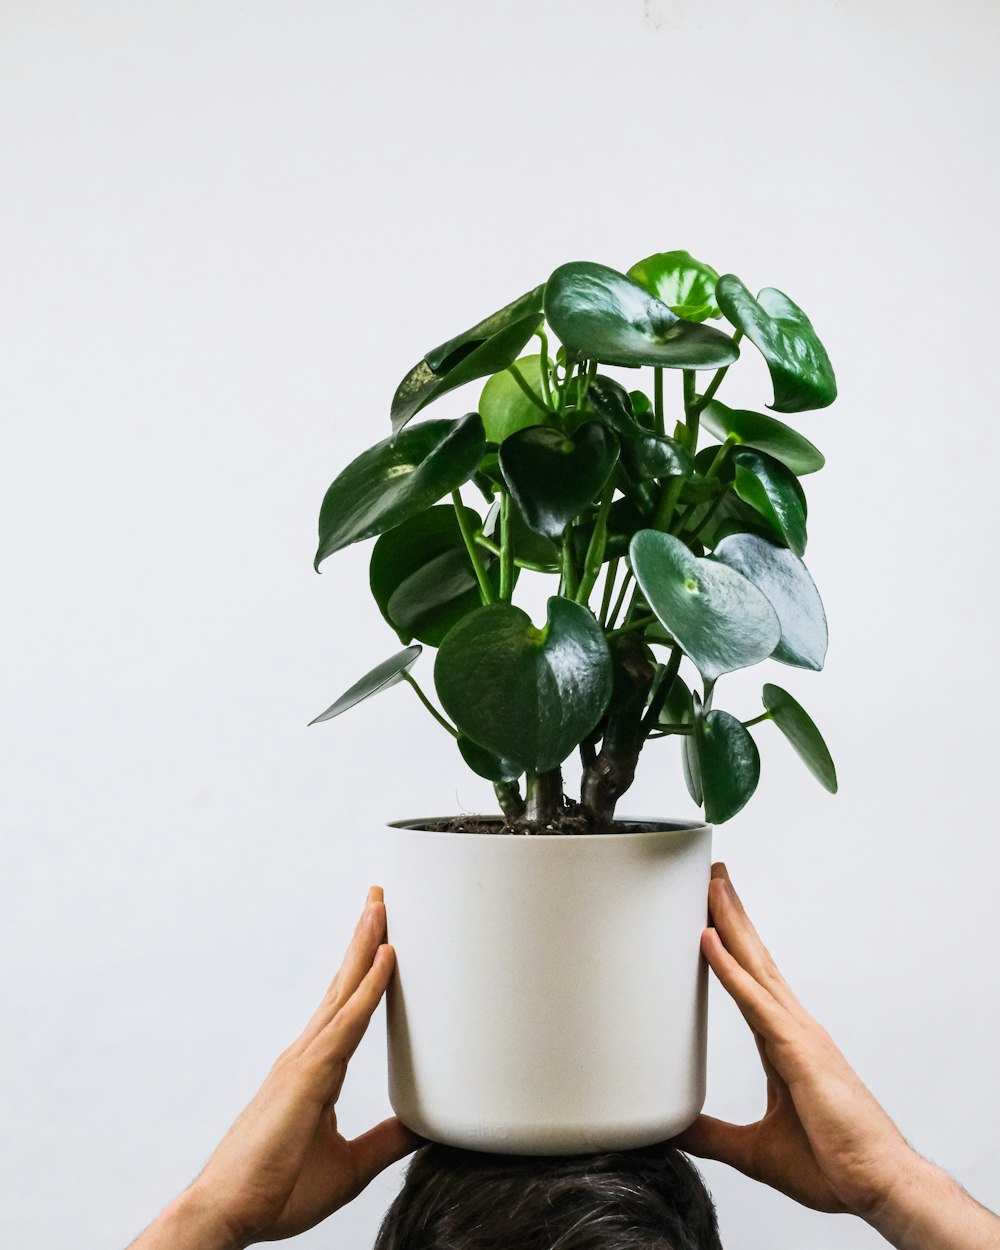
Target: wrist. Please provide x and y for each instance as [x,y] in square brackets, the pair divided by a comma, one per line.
[924,1209]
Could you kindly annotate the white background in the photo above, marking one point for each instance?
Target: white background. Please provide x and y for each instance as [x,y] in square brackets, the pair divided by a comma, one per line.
[227,230]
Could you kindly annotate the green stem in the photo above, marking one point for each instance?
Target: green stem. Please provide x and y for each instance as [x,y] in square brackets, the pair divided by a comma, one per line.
[564,387]
[493,549]
[485,588]
[429,705]
[652,714]
[668,503]
[506,549]
[621,597]
[720,455]
[716,381]
[757,720]
[658,400]
[609,586]
[595,549]
[515,373]
[691,410]
[640,622]
[546,379]
[570,578]
[695,533]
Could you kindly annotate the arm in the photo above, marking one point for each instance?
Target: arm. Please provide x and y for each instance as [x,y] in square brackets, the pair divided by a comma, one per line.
[283,1166]
[823,1140]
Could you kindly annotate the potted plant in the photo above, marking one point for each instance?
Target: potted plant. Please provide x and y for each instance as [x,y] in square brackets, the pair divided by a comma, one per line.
[550,994]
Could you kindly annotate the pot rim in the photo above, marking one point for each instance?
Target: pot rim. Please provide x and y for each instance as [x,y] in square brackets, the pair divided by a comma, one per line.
[656,826]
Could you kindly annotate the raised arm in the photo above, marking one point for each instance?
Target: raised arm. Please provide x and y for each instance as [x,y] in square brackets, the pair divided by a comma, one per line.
[824,1140]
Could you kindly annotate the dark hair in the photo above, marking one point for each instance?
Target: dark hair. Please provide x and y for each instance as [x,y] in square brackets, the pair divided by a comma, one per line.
[648,1199]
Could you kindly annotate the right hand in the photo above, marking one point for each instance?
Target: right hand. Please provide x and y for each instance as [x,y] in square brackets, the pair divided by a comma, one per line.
[823,1139]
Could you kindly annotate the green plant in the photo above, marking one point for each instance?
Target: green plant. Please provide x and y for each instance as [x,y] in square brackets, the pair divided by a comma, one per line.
[664,550]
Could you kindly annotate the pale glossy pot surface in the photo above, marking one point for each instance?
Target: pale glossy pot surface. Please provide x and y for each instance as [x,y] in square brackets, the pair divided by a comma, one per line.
[550,996]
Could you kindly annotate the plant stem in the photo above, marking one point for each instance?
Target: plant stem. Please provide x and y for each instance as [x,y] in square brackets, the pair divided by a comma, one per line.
[696,531]
[621,598]
[716,381]
[485,587]
[652,714]
[429,705]
[546,379]
[691,410]
[609,586]
[570,579]
[638,623]
[506,549]
[595,548]
[658,400]
[515,373]
[757,720]
[720,456]
[564,387]
[544,794]
[509,797]
[668,503]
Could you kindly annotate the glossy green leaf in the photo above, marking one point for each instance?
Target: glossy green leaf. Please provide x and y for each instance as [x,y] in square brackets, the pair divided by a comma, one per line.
[685,285]
[773,491]
[689,757]
[678,707]
[650,456]
[421,576]
[785,581]
[552,477]
[728,764]
[485,764]
[503,405]
[524,694]
[488,347]
[528,546]
[613,405]
[396,479]
[800,369]
[798,727]
[720,620]
[765,433]
[600,314]
[381,677]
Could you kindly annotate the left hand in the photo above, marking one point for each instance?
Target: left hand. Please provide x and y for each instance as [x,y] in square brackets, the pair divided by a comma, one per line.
[284,1166]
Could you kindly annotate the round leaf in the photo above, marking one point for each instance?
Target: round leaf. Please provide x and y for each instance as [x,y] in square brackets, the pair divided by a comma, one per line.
[684,284]
[504,407]
[489,346]
[381,677]
[798,727]
[524,694]
[782,577]
[600,314]
[728,765]
[553,477]
[421,576]
[765,433]
[720,620]
[773,491]
[800,369]
[396,479]
[485,764]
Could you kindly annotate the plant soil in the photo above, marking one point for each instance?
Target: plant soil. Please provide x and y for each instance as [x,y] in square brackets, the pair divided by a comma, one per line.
[570,819]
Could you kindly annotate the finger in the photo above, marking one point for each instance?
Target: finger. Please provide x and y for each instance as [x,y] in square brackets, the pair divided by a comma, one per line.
[760,1009]
[384,1144]
[743,942]
[776,1086]
[708,1138]
[334,1045]
[368,934]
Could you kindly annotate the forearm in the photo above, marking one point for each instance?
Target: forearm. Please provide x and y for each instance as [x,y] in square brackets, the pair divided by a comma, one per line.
[928,1210]
[186,1223]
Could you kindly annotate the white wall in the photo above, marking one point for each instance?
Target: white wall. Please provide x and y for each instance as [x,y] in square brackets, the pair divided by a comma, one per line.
[228,229]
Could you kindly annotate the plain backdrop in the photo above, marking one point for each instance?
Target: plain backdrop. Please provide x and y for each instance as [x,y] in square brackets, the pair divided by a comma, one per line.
[227,230]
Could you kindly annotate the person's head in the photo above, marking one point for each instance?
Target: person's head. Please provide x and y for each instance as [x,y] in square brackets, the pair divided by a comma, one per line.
[649,1199]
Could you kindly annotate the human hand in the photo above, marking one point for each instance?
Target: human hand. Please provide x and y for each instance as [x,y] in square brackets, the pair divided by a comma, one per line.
[823,1140]
[283,1166]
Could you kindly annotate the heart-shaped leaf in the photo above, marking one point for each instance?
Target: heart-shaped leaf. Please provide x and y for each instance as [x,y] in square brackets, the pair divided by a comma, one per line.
[421,576]
[800,369]
[798,727]
[720,620]
[728,764]
[600,314]
[782,577]
[381,677]
[396,479]
[685,285]
[524,694]
[773,491]
[613,404]
[488,347]
[649,456]
[503,405]
[765,433]
[485,764]
[552,477]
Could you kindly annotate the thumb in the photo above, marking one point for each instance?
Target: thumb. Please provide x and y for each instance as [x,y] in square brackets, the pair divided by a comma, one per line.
[708,1138]
[384,1144]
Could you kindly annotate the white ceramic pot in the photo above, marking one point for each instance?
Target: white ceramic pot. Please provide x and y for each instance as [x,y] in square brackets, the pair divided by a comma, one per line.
[550,995]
